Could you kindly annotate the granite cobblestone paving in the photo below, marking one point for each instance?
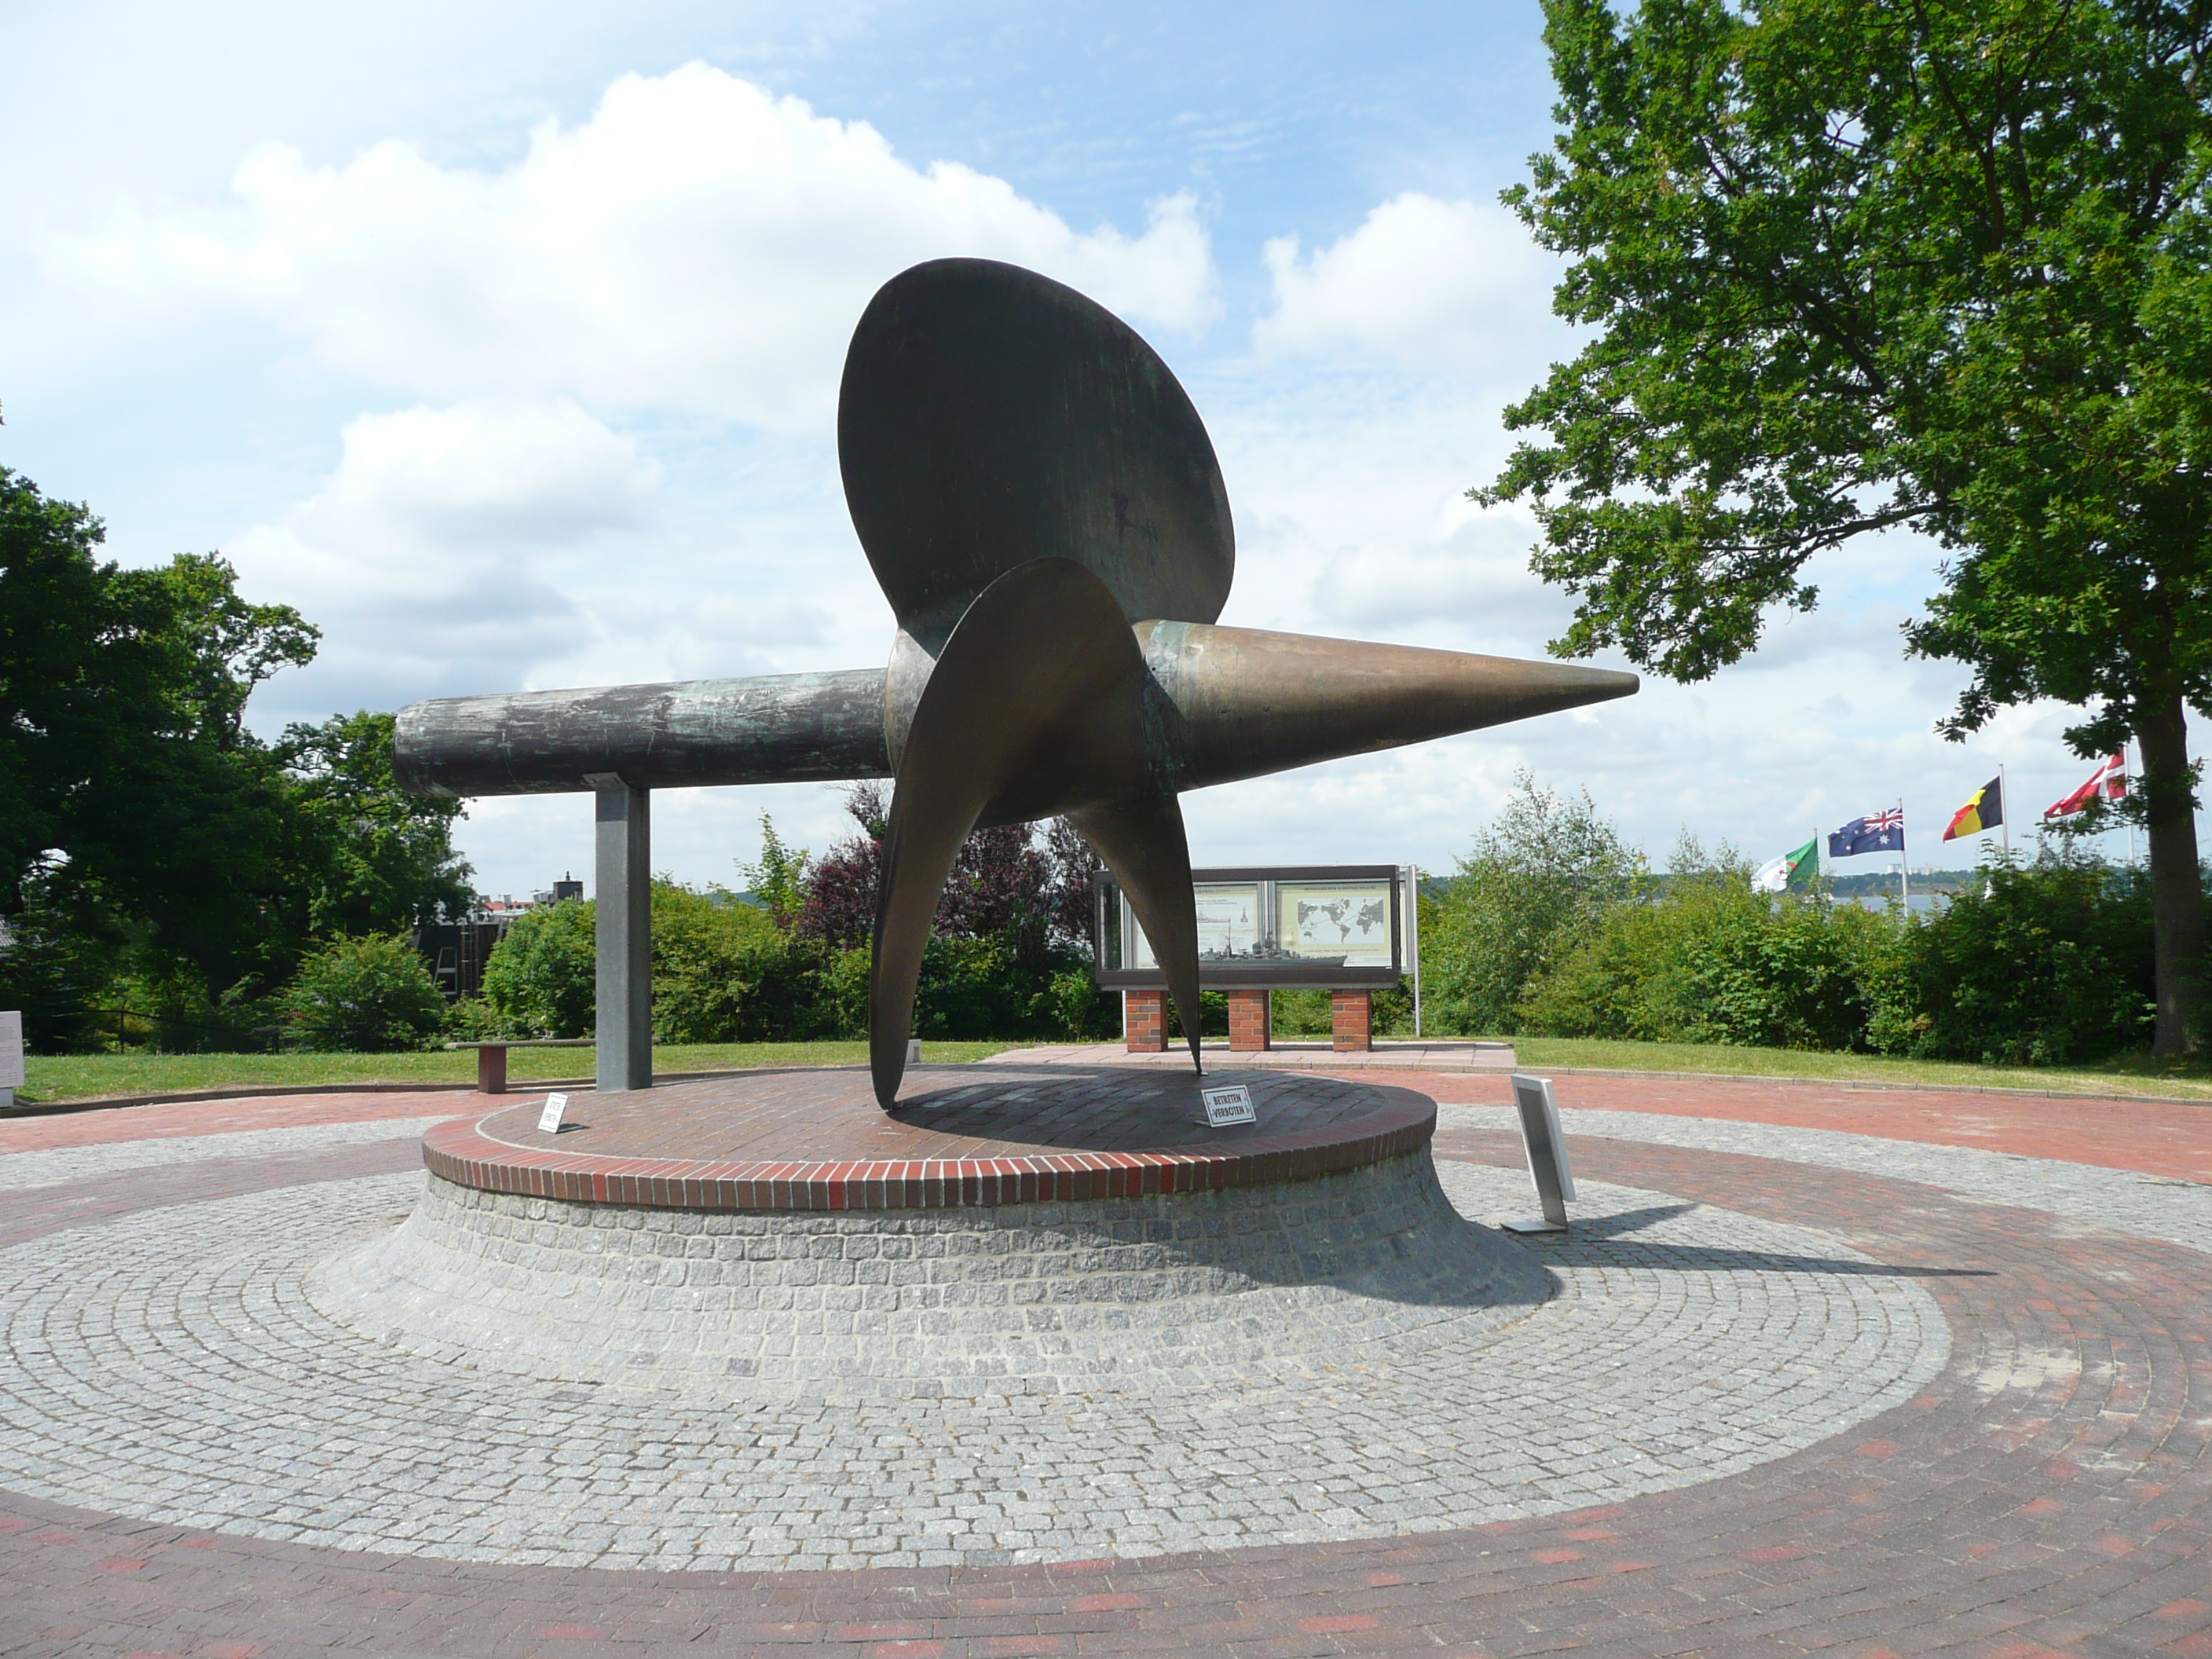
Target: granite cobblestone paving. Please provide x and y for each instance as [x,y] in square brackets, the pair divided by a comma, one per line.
[1053,1295]
[2119,1200]
[179,1369]
[19,1170]
[2048,1490]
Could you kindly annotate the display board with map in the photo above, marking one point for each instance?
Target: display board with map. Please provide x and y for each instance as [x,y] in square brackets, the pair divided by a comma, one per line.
[1351,919]
[1333,925]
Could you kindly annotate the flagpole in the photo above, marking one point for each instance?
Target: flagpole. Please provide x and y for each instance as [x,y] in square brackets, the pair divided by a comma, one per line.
[1904,880]
[2129,822]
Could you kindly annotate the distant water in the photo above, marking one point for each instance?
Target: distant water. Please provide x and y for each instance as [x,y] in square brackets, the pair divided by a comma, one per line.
[1923,904]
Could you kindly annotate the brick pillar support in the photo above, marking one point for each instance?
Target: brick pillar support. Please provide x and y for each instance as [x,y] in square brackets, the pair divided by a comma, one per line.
[1251,1018]
[1351,1020]
[1144,1021]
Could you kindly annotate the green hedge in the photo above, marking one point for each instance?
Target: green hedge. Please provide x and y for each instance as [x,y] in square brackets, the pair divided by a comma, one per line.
[2050,964]
[1715,961]
[1552,926]
[723,971]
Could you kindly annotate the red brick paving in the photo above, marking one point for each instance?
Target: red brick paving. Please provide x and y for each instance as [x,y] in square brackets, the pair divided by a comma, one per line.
[2048,1508]
[2154,1137]
[2165,1138]
[101,1125]
[817,1141]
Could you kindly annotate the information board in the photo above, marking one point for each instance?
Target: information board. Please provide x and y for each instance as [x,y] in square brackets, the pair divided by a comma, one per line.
[1330,925]
[1351,919]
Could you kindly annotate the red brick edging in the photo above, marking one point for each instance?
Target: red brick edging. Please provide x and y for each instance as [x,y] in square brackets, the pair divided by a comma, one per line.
[460,1152]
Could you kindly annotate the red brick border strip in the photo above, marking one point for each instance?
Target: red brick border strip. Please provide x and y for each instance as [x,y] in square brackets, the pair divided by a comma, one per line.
[460,1152]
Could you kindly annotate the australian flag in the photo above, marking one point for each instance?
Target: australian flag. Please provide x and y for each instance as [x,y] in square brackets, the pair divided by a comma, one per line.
[1877,832]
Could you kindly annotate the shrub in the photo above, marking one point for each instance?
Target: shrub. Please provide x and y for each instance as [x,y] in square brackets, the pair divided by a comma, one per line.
[368,995]
[1302,1012]
[1714,962]
[724,972]
[1077,1008]
[1212,1015]
[992,988]
[2050,964]
[542,980]
[845,991]
[1536,886]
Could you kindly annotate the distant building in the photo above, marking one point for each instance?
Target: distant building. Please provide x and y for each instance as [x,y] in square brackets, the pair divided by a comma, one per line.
[458,947]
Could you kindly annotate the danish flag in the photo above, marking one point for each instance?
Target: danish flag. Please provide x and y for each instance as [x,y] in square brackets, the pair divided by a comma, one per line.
[2109,781]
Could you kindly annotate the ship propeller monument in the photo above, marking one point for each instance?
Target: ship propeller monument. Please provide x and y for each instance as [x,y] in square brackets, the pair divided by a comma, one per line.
[1043,510]
[1042,505]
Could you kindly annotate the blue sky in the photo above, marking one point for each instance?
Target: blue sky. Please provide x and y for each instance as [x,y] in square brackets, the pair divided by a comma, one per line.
[503,340]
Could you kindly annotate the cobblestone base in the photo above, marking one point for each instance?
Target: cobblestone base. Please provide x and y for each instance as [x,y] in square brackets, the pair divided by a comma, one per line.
[172,1367]
[1178,1289]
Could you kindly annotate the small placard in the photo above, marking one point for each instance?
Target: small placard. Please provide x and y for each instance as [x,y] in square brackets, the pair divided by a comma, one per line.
[11,1050]
[1229,1104]
[548,1120]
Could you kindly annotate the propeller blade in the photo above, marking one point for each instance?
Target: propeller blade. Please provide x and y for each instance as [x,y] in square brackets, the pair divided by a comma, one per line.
[1141,838]
[1036,706]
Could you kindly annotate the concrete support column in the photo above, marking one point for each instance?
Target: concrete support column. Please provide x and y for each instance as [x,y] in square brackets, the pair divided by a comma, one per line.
[623,860]
[1251,1020]
[1144,1021]
[1351,1020]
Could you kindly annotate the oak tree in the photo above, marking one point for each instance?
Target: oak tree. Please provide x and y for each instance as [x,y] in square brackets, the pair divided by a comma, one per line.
[1945,264]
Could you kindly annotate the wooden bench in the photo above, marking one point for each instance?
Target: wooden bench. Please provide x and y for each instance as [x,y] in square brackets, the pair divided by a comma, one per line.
[491,1057]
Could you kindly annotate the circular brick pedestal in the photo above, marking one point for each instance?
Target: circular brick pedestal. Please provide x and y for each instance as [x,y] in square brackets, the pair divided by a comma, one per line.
[1045,1231]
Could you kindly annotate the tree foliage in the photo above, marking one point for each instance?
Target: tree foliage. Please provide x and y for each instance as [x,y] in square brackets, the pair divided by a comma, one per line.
[152,848]
[779,879]
[1538,880]
[1920,262]
[362,855]
[1712,961]
[1033,898]
[368,995]
[2048,963]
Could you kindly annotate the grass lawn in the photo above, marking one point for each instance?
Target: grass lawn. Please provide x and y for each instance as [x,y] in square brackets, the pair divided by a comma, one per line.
[2132,1074]
[69,1077]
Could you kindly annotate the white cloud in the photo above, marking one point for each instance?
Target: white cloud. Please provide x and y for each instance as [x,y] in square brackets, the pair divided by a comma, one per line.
[490,474]
[697,245]
[1457,285]
[425,555]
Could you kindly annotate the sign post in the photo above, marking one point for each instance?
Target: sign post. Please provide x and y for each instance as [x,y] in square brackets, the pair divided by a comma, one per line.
[1546,1145]
[11,1057]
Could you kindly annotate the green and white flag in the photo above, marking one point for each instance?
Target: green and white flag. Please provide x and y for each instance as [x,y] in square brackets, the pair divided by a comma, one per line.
[1782,874]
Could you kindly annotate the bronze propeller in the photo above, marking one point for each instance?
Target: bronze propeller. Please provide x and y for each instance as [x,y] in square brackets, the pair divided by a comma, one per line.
[1042,507]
